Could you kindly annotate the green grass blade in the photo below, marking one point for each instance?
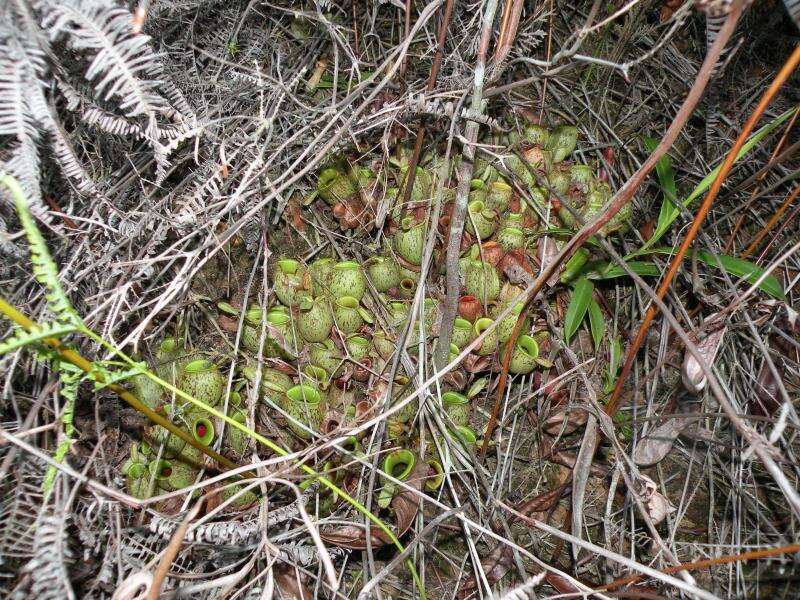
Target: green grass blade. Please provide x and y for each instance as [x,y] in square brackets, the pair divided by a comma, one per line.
[667,217]
[666,176]
[737,267]
[596,323]
[641,268]
[578,305]
[740,267]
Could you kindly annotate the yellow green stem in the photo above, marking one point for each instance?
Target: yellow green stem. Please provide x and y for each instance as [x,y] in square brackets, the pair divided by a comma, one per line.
[79,361]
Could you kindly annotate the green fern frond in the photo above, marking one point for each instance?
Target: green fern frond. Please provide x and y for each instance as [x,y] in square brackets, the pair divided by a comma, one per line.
[21,338]
[44,267]
[104,374]
[71,377]
[50,476]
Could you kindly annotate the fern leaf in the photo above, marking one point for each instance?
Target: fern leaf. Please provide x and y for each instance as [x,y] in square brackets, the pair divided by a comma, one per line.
[68,160]
[48,568]
[23,165]
[44,268]
[20,67]
[52,471]
[70,377]
[111,376]
[123,66]
[111,123]
[21,338]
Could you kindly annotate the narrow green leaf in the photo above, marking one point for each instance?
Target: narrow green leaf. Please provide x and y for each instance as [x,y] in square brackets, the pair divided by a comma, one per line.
[740,267]
[666,177]
[643,269]
[578,304]
[597,324]
[614,359]
[477,387]
[667,217]
[20,337]
[737,267]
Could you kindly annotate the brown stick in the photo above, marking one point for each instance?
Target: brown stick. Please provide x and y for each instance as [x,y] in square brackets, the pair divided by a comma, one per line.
[79,361]
[771,223]
[787,69]
[709,562]
[434,74]
[175,543]
[622,197]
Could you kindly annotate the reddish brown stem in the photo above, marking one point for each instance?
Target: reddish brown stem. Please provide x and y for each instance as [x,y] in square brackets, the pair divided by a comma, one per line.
[709,562]
[437,63]
[766,98]
[771,223]
[622,197]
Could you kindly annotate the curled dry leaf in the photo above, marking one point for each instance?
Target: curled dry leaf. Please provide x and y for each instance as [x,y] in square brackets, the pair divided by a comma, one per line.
[351,213]
[767,400]
[405,506]
[657,504]
[516,258]
[547,254]
[228,324]
[659,442]
[564,421]
[692,374]
[764,401]
[291,587]
[473,363]
[456,378]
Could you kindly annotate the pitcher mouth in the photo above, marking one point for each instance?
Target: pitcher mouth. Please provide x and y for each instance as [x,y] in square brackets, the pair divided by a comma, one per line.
[278,317]
[346,265]
[204,431]
[161,469]
[288,265]
[466,434]
[476,206]
[347,302]
[482,325]
[528,345]
[327,176]
[399,464]
[462,324]
[304,393]
[198,366]
[169,345]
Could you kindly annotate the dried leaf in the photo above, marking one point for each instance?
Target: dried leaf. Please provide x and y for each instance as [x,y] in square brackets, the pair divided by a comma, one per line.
[405,506]
[657,504]
[564,421]
[580,476]
[291,587]
[692,374]
[659,442]
[547,256]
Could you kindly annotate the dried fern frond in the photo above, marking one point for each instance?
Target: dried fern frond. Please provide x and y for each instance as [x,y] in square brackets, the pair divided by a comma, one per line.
[123,66]
[18,510]
[48,570]
[21,67]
